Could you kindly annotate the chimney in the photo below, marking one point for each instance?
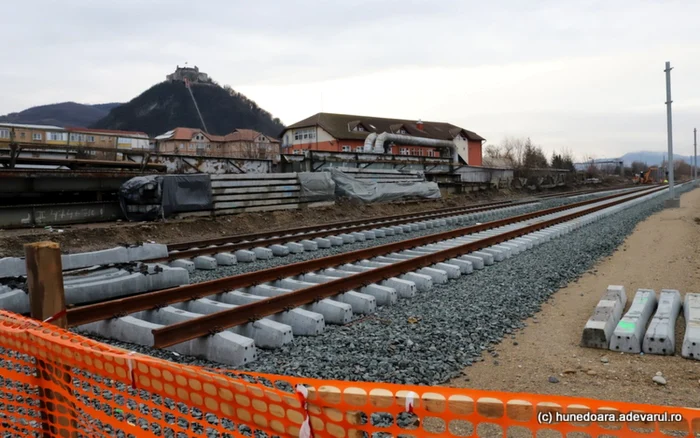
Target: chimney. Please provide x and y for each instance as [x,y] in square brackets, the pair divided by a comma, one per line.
[419,124]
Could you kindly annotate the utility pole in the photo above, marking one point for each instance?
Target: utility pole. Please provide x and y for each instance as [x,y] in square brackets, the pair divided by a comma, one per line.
[695,155]
[671,202]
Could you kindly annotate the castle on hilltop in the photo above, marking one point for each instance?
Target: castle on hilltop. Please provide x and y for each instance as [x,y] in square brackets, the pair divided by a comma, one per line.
[192,74]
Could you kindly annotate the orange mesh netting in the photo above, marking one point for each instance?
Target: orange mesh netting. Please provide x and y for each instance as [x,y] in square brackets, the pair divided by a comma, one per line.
[85,388]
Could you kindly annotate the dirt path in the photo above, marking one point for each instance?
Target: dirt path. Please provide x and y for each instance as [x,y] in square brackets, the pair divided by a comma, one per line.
[663,252]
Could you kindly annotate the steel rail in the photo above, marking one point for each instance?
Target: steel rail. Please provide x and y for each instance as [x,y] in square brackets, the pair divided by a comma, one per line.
[310,228]
[123,306]
[216,322]
[378,221]
[312,235]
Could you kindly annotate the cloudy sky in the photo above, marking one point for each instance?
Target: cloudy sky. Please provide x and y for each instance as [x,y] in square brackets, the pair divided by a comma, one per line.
[584,75]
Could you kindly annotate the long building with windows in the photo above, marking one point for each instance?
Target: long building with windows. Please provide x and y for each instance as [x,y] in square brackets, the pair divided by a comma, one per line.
[350,133]
[72,136]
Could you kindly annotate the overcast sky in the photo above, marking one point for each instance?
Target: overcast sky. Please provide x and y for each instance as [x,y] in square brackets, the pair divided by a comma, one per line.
[585,75]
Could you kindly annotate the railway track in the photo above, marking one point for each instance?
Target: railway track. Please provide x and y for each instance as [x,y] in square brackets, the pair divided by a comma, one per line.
[249,247]
[225,319]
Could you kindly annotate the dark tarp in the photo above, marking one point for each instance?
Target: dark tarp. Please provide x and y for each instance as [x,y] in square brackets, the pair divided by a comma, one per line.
[155,196]
[316,186]
[370,191]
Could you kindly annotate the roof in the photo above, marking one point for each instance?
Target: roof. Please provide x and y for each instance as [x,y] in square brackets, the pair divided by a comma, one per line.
[20,125]
[186,134]
[247,135]
[338,126]
[106,131]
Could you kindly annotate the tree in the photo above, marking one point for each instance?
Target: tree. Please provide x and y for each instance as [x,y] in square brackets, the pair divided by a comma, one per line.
[533,157]
[637,167]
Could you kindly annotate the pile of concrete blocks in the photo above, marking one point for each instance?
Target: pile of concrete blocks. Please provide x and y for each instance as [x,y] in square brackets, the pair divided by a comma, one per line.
[98,282]
[640,332]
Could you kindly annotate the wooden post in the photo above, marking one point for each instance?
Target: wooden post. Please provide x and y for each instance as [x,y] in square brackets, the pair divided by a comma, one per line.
[46,300]
[45,281]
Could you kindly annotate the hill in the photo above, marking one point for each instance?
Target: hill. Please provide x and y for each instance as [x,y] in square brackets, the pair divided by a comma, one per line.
[61,114]
[652,158]
[168,105]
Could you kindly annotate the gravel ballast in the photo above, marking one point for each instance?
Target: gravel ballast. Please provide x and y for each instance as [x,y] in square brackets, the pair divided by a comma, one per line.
[428,339]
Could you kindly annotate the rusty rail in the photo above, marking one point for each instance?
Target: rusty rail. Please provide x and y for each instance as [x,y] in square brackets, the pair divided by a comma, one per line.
[205,325]
[124,306]
[310,228]
[254,240]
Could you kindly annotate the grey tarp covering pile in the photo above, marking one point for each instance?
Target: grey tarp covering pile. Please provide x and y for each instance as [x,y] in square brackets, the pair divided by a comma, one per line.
[316,186]
[155,196]
[370,191]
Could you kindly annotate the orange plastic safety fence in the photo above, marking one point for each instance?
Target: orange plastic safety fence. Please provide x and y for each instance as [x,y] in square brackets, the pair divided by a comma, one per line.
[54,383]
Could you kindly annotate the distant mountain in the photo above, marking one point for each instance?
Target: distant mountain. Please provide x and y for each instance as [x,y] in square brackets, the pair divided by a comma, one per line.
[61,114]
[652,158]
[168,105]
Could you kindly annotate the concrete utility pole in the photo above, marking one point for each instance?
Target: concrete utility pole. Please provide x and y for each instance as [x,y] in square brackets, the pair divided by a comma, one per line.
[695,155]
[671,202]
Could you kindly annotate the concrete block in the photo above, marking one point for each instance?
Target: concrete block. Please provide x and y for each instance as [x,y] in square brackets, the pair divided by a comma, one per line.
[322,242]
[378,233]
[385,296]
[485,256]
[309,245]
[397,256]
[262,253]
[359,237]
[599,328]
[369,235]
[245,256]
[347,238]
[185,264]
[398,229]
[388,231]
[168,277]
[465,267]
[660,337]
[497,254]
[361,303]
[225,347]
[507,251]
[14,300]
[205,263]
[333,312]
[629,333]
[368,264]
[12,267]
[452,271]
[477,262]
[407,228]
[100,290]
[382,259]
[526,241]
[147,251]
[335,240]
[279,250]
[420,225]
[355,268]
[404,288]
[691,340]
[423,282]
[438,275]
[514,247]
[225,259]
[330,272]
[95,276]
[266,333]
[302,322]
[295,248]
[110,256]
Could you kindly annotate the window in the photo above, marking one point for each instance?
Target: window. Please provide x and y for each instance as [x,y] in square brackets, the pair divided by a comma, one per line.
[403,151]
[91,138]
[58,136]
[402,131]
[431,153]
[4,133]
[305,134]
[359,148]
[346,148]
[103,138]
[35,136]
[190,147]
[21,135]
